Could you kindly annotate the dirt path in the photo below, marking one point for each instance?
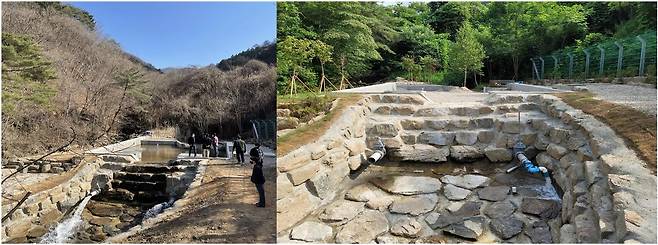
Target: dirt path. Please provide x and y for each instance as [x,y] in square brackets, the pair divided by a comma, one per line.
[220,210]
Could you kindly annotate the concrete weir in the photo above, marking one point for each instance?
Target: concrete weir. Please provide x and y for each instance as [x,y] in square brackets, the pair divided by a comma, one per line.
[443,178]
[129,189]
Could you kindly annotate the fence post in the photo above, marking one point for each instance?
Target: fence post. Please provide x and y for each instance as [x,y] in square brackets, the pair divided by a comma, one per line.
[542,68]
[586,62]
[555,65]
[643,53]
[602,61]
[570,64]
[535,74]
[620,57]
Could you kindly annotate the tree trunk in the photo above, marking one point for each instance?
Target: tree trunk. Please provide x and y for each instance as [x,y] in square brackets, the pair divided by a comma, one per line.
[475,76]
[464,85]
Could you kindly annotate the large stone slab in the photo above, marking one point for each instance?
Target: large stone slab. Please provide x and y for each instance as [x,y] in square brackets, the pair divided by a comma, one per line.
[500,209]
[466,137]
[494,193]
[408,185]
[470,228]
[406,227]
[436,138]
[364,193]
[420,153]
[364,228]
[341,211]
[465,153]
[506,227]
[455,193]
[311,231]
[496,154]
[544,208]
[414,205]
[468,181]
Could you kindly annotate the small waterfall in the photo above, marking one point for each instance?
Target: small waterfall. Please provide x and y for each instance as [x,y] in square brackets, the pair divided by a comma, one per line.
[157,209]
[67,228]
[548,191]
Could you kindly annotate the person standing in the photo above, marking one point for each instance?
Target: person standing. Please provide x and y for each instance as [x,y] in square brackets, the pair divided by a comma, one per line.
[192,142]
[257,177]
[215,145]
[240,148]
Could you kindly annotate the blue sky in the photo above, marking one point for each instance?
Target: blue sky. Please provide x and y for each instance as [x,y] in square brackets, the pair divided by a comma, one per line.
[178,34]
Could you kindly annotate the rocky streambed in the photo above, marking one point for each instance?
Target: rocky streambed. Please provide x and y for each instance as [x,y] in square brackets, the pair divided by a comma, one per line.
[436,203]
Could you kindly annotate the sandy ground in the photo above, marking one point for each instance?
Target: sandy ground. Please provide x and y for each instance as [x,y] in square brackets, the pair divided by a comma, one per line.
[220,210]
[640,98]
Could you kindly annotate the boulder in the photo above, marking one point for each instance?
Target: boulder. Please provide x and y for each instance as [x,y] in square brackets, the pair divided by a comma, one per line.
[500,209]
[511,127]
[311,231]
[493,193]
[105,209]
[568,234]
[414,205]
[556,151]
[387,130]
[407,185]
[364,228]
[468,181]
[286,123]
[300,175]
[406,227]
[465,153]
[420,153]
[436,138]
[539,232]
[496,154]
[470,228]
[486,136]
[544,208]
[341,211]
[506,227]
[381,203]
[466,137]
[455,193]
[364,193]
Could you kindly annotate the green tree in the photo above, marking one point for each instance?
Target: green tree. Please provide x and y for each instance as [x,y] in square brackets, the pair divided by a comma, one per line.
[466,54]
[409,65]
[25,73]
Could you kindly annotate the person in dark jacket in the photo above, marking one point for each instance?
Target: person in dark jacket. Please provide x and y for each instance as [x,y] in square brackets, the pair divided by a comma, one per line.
[192,141]
[257,177]
[240,148]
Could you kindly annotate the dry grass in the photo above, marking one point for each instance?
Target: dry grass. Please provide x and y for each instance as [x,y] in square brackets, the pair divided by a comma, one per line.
[309,133]
[637,128]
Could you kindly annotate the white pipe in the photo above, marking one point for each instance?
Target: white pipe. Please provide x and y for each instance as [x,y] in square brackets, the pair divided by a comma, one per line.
[376,156]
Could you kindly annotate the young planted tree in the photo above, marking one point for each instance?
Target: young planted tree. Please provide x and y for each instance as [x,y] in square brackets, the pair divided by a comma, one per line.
[409,65]
[466,54]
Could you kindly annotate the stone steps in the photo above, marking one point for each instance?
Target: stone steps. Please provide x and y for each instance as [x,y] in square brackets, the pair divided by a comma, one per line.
[145,177]
[444,110]
[135,186]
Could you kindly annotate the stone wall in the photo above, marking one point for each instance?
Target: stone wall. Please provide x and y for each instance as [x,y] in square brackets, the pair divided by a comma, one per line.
[43,209]
[42,166]
[609,194]
[307,177]
[588,161]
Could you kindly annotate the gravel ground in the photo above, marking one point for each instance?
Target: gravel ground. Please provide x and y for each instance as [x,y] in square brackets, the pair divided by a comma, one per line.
[641,98]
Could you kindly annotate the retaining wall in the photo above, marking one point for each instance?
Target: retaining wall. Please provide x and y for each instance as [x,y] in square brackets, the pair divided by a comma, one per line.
[43,209]
[307,177]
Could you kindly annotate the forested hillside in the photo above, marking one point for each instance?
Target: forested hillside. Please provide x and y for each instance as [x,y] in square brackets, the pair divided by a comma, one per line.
[439,42]
[265,52]
[63,82]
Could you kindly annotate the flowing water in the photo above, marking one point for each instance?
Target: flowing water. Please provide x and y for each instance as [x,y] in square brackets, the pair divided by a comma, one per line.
[157,209]
[67,228]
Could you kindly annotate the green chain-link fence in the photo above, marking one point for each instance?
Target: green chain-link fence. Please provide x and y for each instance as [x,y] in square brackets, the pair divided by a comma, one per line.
[628,57]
